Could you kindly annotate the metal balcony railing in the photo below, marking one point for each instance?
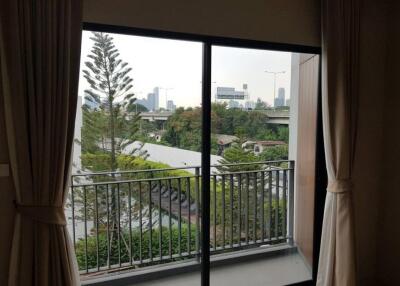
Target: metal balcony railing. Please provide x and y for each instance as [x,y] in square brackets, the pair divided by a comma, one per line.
[133,219]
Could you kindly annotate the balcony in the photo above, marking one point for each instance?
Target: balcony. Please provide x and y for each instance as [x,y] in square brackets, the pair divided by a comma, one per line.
[133,223]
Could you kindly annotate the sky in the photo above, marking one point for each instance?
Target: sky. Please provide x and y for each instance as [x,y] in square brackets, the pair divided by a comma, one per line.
[176,67]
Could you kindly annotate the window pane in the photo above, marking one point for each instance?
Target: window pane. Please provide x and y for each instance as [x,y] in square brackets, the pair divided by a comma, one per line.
[255,122]
[134,200]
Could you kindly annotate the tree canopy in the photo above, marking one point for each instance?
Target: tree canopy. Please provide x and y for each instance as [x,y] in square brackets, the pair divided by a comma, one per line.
[183,129]
[110,125]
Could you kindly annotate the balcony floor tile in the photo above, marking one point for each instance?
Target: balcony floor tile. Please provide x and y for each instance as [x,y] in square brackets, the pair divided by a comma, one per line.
[279,270]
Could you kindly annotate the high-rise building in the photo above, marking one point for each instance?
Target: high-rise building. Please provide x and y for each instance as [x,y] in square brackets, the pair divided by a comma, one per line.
[152,103]
[156,92]
[170,105]
[153,99]
[280,99]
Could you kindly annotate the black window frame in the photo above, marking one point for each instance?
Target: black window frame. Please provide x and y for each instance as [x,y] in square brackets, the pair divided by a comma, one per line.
[208,41]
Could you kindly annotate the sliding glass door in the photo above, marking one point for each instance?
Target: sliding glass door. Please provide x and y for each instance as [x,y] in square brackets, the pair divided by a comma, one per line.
[186,159]
[135,193]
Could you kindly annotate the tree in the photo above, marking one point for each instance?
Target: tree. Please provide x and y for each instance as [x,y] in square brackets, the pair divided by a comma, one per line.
[255,124]
[183,129]
[137,107]
[261,105]
[283,133]
[279,152]
[237,154]
[110,90]
[110,85]
[94,130]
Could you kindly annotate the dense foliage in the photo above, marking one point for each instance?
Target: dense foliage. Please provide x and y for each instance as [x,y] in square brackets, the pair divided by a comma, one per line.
[261,105]
[236,154]
[183,128]
[140,246]
[279,152]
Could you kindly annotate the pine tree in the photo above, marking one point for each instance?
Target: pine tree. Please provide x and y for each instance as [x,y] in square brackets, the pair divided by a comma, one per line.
[94,130]
[237,155]
[110,91]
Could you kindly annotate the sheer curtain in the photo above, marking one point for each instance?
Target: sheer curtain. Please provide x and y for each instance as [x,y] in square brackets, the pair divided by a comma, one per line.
[40,50]
[340,52]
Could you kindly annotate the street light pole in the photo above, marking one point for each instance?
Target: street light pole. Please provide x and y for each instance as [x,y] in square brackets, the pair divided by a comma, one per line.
[213,82]
[274,73]
[166,96]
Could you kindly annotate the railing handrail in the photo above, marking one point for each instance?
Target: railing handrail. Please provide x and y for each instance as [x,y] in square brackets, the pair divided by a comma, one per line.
[133,181]
[144,180]
[178,168]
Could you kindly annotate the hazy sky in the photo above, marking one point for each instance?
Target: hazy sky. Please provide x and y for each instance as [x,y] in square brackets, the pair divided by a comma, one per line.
[176,65]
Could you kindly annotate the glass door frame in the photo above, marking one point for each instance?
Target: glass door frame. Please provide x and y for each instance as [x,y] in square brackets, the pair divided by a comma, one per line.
[208,42]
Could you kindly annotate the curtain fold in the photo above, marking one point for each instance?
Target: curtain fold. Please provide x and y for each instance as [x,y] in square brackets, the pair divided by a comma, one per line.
[340,54]
[40,51]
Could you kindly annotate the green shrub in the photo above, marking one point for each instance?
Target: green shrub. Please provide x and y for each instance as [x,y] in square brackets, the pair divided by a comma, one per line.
[138,249]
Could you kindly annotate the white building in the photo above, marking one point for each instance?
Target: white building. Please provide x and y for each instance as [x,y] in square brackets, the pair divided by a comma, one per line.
[259,146]
[76,159]
[174,157]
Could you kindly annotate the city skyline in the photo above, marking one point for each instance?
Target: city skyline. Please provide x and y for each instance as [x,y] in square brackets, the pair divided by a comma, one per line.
[175,67]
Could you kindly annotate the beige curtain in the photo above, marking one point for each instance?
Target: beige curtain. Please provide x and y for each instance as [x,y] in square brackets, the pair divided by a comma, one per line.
[340,33]
[40,50]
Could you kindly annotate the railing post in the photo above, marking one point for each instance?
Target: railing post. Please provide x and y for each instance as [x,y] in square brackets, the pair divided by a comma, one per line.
[73,211]
[197,189]
[85,227]
[291,202]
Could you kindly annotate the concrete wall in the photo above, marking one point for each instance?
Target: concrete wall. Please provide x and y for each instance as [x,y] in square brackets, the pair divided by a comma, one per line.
[284,21]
